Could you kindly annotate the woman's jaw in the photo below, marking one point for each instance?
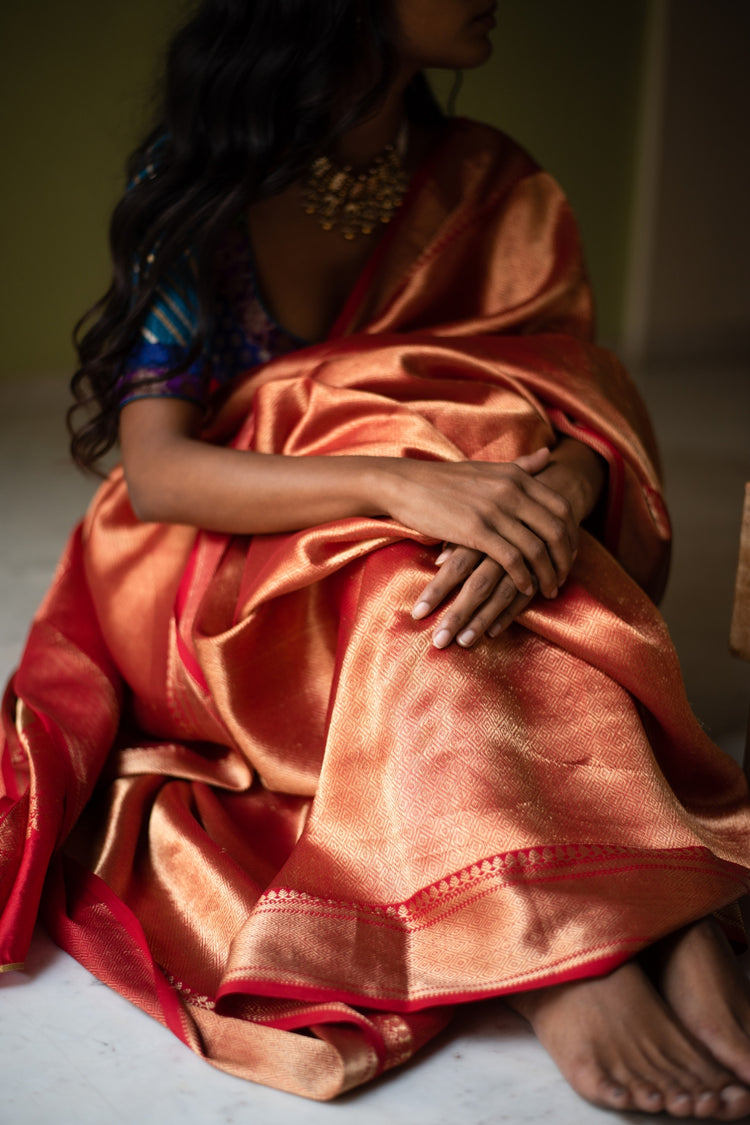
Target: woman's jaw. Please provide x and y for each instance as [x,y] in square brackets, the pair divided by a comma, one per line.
[440,34]
[444,34]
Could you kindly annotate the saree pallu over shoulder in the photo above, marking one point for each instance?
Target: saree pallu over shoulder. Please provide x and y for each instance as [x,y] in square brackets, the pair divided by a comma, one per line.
[262,803]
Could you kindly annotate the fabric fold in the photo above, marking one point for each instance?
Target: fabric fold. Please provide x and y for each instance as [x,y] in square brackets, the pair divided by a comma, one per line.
[247,791]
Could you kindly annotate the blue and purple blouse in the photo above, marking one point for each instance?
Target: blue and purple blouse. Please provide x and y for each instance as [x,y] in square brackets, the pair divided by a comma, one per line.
[244,333]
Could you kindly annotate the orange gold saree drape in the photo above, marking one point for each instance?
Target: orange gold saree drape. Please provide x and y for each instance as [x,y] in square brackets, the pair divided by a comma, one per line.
[262,802]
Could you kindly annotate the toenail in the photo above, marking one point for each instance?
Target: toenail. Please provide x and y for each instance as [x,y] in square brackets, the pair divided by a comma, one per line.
[617,1093]
[732,1094]
[705,1100]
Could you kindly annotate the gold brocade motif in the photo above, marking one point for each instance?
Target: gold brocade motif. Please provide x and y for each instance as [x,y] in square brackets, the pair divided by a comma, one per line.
[191,997]
[269,812]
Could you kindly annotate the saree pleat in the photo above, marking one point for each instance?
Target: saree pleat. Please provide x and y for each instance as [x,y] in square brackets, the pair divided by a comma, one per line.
[268,811]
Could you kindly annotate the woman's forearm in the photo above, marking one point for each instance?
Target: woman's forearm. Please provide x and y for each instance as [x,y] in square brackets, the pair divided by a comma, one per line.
[174,477]
[500,509]
[241,492]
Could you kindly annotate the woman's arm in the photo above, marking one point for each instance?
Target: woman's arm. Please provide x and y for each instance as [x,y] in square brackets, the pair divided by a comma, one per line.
[174,477]
[500,510]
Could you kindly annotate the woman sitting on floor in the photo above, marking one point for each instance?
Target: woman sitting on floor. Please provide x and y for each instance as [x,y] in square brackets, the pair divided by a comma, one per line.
[349,701]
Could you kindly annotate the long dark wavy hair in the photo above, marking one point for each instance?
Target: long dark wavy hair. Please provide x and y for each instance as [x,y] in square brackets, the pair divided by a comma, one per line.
[253,91]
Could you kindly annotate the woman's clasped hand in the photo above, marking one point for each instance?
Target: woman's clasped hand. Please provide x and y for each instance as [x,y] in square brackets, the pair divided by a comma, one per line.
[510,530]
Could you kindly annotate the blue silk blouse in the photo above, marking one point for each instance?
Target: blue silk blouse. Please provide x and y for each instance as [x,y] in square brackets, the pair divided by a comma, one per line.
[243,334]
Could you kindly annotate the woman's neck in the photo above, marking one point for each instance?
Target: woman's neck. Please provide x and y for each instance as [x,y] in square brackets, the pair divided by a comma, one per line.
[360,145]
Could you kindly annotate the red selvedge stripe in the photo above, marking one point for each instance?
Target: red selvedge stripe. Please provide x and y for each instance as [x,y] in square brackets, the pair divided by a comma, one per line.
[187,656]
[93,891]
[599,963]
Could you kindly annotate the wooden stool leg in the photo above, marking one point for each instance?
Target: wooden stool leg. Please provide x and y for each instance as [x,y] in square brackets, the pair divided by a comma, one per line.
[739,642]
[739,633]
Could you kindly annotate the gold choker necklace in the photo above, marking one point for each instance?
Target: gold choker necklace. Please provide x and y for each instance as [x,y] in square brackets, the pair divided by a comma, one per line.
[355,203]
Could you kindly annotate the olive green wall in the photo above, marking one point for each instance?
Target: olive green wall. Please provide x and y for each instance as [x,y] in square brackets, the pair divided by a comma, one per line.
[74,85]
[565,80]
[75,79]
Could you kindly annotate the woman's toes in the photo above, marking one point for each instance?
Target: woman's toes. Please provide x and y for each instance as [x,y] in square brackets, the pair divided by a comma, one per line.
[679,1103]
[647,1098]
[729,1043]
[702,982]
[613,1096]
[621,1048]
[735,1102]
[596,1085]
[707,1105]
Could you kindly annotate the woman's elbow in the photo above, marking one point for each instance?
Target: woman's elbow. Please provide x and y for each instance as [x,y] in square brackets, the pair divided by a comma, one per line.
[156,453]
[149,498]
[143,501]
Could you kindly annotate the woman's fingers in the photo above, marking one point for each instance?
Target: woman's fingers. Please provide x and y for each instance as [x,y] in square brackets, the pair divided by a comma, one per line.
[533,462]
[508,615]
[561,533]
[498,510]
[486,603]
[524,539]
[530,530]
[504,539]
[549,516]
[543,557]
[445,554]
[456,564]
[482,597]
[505,597]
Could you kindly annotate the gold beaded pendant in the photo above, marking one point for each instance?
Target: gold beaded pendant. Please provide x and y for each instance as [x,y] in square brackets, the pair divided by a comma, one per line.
[355,203]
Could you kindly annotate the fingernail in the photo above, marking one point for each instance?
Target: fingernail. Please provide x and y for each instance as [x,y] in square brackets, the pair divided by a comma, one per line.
[553,594]
[528,591]
[421,609]
[467,637]
[442,557]
[441,638]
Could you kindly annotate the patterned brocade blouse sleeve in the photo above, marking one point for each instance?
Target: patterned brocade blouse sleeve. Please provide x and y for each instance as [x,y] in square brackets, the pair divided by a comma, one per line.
[164,342]
[242,336]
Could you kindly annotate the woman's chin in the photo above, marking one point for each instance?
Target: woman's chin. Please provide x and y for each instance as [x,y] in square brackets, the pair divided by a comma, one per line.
[469,54]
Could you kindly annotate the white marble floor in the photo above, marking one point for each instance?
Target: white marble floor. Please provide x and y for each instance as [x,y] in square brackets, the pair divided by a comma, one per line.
[71,1051]
[74,1053]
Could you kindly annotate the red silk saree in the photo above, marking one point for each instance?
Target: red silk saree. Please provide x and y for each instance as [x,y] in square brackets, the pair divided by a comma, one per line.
[243,788]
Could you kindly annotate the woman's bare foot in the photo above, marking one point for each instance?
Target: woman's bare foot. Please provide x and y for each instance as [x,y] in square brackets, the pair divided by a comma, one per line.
[703,983]
[619,1046]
